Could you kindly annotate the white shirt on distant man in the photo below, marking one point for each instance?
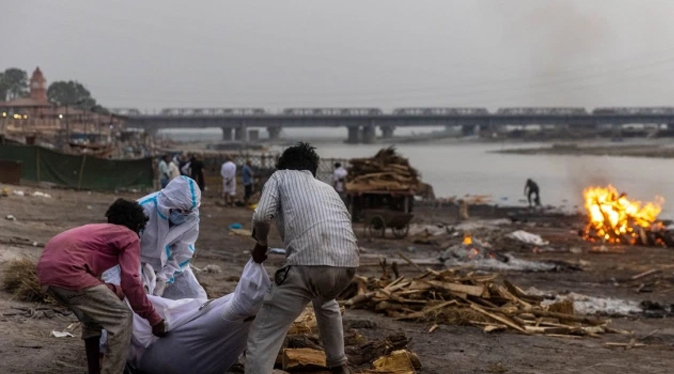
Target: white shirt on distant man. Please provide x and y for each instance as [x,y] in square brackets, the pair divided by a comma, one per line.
[228,173]
[338,177]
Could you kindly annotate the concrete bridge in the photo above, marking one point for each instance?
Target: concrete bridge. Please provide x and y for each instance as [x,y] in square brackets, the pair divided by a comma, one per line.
[363,122]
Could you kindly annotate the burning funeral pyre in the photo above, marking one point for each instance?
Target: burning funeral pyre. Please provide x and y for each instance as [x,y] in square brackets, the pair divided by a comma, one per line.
[615,219]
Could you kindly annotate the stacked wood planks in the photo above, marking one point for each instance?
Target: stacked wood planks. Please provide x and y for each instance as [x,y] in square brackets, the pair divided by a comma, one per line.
[386,171]
[450,298]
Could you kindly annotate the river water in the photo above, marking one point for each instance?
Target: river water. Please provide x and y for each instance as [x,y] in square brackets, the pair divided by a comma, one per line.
[458,169]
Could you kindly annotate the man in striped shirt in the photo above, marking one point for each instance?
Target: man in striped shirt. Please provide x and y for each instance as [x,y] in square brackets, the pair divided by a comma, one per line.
[321,259]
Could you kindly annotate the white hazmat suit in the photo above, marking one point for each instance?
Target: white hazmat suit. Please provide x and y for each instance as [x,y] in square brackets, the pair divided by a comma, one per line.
[169,247]
[203,337]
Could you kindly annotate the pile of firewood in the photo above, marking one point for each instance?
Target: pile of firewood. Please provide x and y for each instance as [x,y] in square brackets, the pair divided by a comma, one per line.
[386,171]
[450,298]
[302,350]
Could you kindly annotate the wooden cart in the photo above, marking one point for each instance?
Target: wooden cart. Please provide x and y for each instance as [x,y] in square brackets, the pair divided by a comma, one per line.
[377,221]
[382,210]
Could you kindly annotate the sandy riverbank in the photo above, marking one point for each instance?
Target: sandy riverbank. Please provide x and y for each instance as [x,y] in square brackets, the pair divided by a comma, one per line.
[651,149]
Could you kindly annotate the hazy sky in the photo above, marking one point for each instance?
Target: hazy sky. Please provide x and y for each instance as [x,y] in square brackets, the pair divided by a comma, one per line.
[386,53]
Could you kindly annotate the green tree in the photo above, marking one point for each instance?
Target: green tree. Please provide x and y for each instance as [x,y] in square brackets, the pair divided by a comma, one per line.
[3,87]
[13,84]
[70,93]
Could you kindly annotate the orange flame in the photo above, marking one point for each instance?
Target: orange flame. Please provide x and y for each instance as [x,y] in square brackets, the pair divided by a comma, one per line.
[467,239]
[614,218]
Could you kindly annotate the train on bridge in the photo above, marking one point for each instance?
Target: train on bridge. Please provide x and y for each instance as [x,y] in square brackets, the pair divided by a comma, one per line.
[409,111]
[362,123]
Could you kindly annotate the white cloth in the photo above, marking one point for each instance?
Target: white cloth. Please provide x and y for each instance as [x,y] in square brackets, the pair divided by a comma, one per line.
[187,169]
[337,178]
[228,173]
[203,337]
[206,339]
[312,219]
[169,249]
[173,170]
[528,238]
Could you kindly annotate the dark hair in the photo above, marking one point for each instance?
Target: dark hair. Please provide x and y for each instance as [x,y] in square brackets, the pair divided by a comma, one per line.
[301,156]
[127,213]
[338,165]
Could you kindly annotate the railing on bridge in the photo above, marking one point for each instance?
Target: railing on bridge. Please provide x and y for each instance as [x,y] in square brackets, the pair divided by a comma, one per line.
[126,111]
[332,111]
[634,110]
[439,111]
[541,111]
[407,111]
[212,111]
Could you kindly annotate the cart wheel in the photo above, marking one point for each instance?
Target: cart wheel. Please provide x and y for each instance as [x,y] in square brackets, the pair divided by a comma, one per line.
[401,232]
[376,228]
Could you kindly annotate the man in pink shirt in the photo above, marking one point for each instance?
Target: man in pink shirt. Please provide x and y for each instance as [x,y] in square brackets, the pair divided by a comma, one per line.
[70,268]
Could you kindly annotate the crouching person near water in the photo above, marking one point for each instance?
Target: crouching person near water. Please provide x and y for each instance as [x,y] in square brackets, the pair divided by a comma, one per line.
[321,259]
[70,269]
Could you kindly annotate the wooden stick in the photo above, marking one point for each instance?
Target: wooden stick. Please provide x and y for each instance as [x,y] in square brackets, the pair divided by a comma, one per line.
[649,335]
[564,336]
[625,345]
[504,320]
[645,274]
[422,313]
[566,317]
[409,261]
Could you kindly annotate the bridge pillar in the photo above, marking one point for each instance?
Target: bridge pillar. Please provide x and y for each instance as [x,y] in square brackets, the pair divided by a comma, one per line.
[387,131]
[368,134]
[227,133]
[354,135]
[469,130]
[240,134]
[274,133]
[152,132]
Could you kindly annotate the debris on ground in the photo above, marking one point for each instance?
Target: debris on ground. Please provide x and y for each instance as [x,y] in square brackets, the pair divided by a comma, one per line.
[478,300]
[215,269]
[36,313]
[590,305]
[61,334]
[18,193]
[386,171]
[302,350]
[41,194]
[528,238]
[10,218]
[475,254]
[242,232]
[20,279]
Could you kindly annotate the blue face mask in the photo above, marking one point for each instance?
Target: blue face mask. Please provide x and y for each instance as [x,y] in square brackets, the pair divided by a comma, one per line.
[177,218]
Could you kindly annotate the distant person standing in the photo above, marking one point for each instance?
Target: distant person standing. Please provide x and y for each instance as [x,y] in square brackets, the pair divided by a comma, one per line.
[164,171]
[174,171]
[247,177]
[197,171]
[228,173]
[184,165]
[531,188]
[339,179]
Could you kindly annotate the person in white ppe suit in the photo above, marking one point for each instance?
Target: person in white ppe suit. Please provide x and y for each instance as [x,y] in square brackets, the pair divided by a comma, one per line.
[167,243]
